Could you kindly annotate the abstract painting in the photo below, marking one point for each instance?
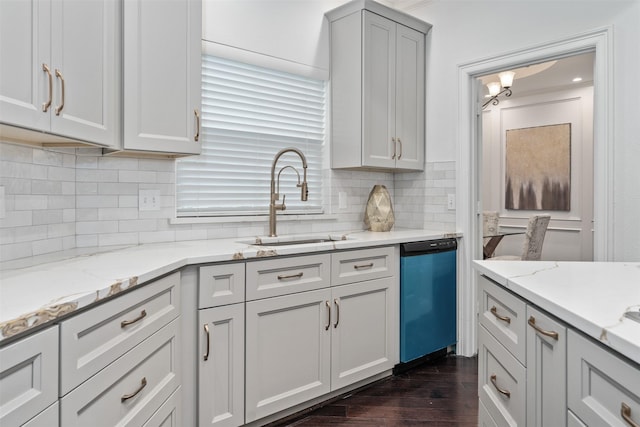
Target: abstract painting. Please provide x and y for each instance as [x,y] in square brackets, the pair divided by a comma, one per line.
[538,168]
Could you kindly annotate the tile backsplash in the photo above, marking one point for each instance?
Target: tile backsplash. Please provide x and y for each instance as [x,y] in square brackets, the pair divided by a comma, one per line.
[58,199]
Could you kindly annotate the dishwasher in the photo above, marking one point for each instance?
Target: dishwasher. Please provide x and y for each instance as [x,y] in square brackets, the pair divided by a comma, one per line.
[427,298]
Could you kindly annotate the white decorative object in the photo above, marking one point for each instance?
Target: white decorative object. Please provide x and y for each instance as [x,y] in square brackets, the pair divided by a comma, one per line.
[378,215]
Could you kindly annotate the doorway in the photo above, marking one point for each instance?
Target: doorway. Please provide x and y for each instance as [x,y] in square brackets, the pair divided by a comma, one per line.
[547,98]
[468,169]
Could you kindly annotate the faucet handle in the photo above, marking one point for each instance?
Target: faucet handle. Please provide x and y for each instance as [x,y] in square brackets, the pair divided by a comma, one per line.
[283,206]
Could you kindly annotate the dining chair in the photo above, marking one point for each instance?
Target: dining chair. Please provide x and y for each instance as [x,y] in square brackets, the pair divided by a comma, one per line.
[489,224]
[533,240]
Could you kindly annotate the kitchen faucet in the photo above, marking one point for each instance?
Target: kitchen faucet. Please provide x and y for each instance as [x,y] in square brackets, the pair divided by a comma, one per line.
[275,189]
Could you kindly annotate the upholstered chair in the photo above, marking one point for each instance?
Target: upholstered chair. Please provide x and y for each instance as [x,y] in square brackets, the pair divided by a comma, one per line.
[489,224]
[533,240]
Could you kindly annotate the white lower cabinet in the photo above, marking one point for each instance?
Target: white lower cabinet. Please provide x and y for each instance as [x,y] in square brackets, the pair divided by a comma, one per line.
[546,370]
[522,352]
[169,414]
[288,351]
[131,389]
[221,366]
[29,379]
[304,345]
[604,389]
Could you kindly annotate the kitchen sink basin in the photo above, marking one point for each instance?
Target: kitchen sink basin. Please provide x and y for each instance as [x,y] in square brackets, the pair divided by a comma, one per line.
[633,315]
[290,240]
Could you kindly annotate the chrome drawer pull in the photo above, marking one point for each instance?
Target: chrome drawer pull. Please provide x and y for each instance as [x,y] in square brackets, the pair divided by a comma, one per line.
[400,144]
[625,411]
[500,390]
[126,397]
[126,323]
[393,139]
[494,311]
[551,334]
[337,303]
[358,267]
[326,328]
[46,105]
[206,330]
[291,276]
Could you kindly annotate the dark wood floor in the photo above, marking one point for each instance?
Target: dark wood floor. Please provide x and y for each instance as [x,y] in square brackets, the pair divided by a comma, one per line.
[443,392]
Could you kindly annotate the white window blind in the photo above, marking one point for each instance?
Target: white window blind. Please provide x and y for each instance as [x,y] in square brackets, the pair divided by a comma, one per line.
[249,114]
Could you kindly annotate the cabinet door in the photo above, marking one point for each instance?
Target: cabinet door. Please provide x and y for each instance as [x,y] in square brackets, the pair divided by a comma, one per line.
[221,362]
[410,95]
[362,331]
[24,46]
[162,75]
[85,52]
[287,351]
[379,91]
[546,370]
[28,377]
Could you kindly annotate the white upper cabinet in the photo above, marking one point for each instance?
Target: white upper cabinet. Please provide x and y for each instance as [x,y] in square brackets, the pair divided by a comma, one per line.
[60,68]
[377,88]
[162,76]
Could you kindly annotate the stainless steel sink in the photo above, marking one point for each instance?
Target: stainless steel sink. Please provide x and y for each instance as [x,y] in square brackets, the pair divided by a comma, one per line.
[290,240]
[633,315]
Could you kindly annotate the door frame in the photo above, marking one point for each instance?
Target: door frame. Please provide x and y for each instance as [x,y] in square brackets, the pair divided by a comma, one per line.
[469,168]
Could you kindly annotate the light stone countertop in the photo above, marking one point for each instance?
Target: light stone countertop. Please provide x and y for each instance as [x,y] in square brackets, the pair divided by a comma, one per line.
[590,296]
[39,294]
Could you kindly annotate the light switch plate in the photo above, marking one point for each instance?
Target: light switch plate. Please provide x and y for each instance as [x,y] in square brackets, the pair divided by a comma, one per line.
[451,201]
[149,200]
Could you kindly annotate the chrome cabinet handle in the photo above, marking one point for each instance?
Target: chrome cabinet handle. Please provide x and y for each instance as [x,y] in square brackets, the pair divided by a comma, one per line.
[196,137]
[494,311]
[625,412]
[336,301]
[126,323]
[143,384]
[393,140]
[290,276]
[500,390]
[206,331]
[326,328]
[361,266]
[551,334]
[59,108]
[400,145]
[46,105]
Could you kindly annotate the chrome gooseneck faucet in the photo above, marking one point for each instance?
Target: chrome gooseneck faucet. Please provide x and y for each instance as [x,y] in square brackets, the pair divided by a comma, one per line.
[275,189]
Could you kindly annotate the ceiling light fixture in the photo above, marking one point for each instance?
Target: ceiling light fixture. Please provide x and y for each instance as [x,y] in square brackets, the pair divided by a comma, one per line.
[577,79]
[499,88]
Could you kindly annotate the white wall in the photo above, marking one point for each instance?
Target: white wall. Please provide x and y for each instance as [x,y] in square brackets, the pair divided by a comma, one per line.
[468,31]
[569,236]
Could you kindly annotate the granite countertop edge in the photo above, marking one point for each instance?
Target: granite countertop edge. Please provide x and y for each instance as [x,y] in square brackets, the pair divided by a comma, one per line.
[34,296]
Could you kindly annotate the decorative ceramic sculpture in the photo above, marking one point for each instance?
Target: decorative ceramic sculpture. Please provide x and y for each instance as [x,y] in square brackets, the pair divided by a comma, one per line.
[378,215]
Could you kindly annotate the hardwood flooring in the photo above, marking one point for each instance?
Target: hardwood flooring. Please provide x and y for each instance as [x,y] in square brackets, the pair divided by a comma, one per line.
[439,393]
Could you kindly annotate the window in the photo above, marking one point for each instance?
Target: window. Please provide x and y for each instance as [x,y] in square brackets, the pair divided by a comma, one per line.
[249,114]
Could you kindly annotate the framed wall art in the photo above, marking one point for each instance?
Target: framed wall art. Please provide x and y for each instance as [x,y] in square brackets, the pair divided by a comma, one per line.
[538,168]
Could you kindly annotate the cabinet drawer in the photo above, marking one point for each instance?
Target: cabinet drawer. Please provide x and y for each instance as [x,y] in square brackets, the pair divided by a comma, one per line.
[28,377]
[484,419]
[47,418]
[93,339]
[600,383]
[503,314]
[501,382]
[131,389]
[275,277]
[365,264]
[169,414]
[221,284]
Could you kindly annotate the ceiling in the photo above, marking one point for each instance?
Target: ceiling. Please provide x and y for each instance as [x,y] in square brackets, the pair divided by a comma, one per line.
[551,75]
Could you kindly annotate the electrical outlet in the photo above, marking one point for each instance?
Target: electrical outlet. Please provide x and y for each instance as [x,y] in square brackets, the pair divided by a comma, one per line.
[149,200]
[451,201]
[342,200]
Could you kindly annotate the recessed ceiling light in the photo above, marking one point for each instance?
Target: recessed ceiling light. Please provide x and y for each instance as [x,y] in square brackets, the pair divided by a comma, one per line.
[577,79]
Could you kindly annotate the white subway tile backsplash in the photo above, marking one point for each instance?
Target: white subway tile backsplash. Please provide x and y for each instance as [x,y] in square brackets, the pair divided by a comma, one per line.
[68,198]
